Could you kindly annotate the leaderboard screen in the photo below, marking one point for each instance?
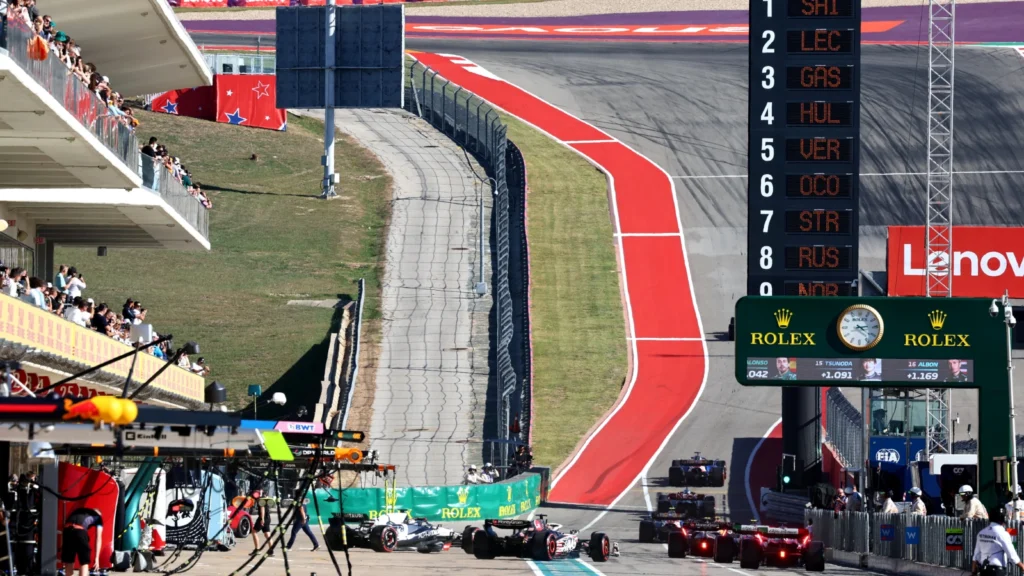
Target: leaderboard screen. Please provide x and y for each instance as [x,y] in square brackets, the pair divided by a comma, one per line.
[860,369]
[804,147]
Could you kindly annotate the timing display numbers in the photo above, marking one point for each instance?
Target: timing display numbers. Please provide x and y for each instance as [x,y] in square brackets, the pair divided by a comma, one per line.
[863,369]
[803,147]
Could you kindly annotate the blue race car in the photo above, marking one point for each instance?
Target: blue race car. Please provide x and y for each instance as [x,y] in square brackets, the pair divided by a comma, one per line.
[688,504]
[697,471]
[657,526]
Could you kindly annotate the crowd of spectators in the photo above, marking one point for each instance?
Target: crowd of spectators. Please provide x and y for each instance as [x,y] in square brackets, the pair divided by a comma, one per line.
[64,297]
[68,51]
[173,168]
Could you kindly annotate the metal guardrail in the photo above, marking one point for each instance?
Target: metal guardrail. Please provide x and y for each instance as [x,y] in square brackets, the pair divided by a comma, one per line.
[157,180]
[353,364]
[844,428]
[71,93]
[886,535]
[477,127]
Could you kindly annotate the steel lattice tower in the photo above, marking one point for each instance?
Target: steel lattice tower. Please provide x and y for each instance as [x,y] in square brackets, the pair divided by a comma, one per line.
[939,234]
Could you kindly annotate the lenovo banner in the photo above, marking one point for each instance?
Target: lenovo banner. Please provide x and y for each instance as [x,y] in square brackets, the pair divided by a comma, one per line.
[986,261]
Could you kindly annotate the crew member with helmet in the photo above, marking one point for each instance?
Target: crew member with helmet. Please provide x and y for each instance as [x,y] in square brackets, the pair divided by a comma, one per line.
[993,550]
[973,508]
[471,476]
[1015,507]
[918,507]
[889,507]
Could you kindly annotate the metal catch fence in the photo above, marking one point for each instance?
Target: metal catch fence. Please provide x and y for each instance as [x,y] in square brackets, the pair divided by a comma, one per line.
[476,126]
[844,428]
[937,540]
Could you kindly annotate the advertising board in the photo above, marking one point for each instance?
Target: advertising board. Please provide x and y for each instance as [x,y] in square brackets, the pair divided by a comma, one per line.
[986,261]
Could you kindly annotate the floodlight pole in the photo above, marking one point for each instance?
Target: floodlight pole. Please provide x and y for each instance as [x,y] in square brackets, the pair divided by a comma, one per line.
[330,178]
[1008,320]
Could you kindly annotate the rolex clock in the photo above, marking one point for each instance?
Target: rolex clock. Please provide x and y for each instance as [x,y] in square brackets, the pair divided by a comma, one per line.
[860,327]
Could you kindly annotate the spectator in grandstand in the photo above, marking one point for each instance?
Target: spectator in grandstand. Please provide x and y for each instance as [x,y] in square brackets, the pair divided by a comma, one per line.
[35,295]
[200,367]
[76,283]
[150,149]
[15,285]
[489,474]
[61,281]
[100,321]
[157,350]
[129,309]
[471,476]
[80,313]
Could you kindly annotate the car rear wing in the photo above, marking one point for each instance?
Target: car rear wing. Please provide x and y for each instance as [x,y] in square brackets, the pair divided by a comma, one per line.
[353,517]
[770,531]
[706,526]
[506,524]
[670,515]
[693,462]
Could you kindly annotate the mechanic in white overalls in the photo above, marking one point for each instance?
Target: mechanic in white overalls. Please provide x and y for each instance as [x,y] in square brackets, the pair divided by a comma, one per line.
[918,508]
[973,508]
[1015,507]
[993,550]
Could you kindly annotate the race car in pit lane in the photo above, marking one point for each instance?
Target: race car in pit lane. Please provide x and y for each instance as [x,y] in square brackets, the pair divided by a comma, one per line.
[697,471]
[390,532]
[688,504]
[535,539]
[697,539]
[778,546]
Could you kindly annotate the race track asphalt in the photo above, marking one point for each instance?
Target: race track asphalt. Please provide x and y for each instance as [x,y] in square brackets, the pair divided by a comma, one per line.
[684,106]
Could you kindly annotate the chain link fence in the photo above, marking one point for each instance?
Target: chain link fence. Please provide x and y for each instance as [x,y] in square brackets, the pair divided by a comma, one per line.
[931,539]
[474,125]
[844,428]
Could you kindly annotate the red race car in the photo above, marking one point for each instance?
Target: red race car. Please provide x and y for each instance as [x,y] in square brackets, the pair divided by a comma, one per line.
[779,546]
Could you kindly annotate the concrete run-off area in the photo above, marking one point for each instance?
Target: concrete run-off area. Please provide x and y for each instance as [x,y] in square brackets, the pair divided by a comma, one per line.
[432,371]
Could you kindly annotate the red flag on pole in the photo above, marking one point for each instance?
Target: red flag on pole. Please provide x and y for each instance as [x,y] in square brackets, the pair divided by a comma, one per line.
[249,100]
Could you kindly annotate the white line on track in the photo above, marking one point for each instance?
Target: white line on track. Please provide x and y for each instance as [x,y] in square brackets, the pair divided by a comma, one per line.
[754,509]
[966,172]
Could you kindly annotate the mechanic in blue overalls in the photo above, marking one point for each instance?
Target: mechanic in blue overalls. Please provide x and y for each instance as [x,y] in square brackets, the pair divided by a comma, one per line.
[993,550]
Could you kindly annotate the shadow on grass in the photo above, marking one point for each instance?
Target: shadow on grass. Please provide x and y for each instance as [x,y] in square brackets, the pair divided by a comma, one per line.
[251,192]
[301,383]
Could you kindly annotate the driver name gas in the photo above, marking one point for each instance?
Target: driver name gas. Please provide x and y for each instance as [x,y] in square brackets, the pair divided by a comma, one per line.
[782,338]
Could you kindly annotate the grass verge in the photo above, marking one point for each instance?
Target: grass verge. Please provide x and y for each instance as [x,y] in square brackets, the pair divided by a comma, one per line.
[579,344]
[272,241]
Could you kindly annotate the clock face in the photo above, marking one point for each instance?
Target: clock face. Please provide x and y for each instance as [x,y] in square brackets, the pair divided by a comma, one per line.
[860,327]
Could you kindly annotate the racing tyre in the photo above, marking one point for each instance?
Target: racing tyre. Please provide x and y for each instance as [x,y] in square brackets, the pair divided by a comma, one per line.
[647,531]
[544,546]
[750,554]
[333,538]
[663,504]
[716,477]
[814,557]
[724,552]
[676,477]
[707,509]
[244,527]
[467,539]
[677,544]
[600,547]
[384,538]
[483,547]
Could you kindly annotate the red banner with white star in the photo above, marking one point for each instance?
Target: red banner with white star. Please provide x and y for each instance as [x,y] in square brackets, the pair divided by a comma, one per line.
[192,102]
[249,100]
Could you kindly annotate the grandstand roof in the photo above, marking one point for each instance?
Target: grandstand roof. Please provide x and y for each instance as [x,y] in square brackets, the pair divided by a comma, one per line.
[139,44]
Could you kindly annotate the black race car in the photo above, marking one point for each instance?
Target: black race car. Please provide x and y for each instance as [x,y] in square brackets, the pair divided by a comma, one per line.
[535,539]
[778,546]
[699,539]
[390,532]
[688,504]
[697,471]
[657,526]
